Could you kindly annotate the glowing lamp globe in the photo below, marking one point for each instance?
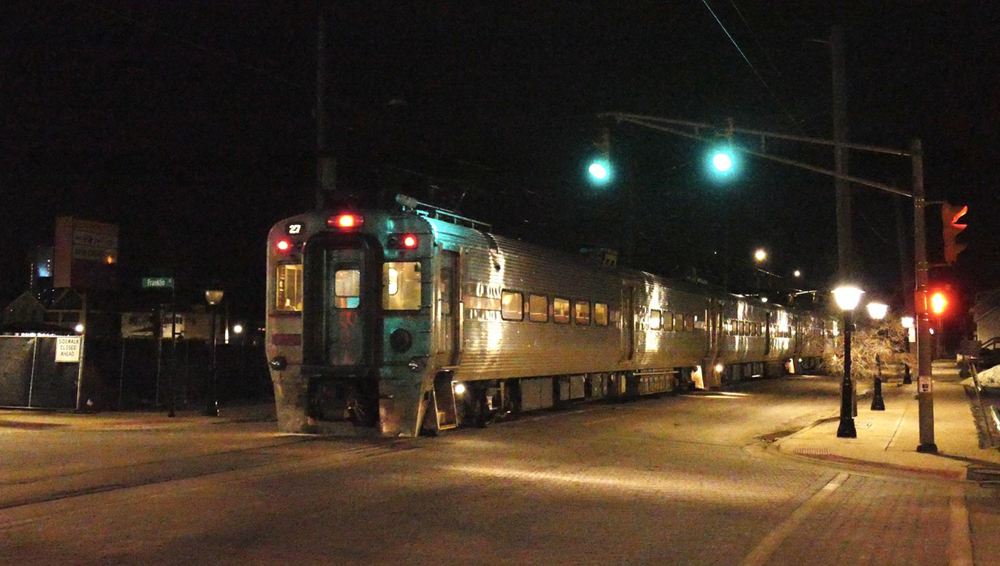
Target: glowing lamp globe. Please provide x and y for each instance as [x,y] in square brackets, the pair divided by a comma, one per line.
[877,310]
[847,297]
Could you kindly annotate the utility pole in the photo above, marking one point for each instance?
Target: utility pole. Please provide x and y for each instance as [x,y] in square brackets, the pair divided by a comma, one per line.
[326,165]
[845,267]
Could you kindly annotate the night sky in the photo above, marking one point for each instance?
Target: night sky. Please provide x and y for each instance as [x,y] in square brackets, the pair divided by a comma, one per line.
[190,125]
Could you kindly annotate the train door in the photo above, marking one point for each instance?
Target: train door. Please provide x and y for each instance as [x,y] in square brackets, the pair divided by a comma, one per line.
[628,323]
[449,326]
[340,301]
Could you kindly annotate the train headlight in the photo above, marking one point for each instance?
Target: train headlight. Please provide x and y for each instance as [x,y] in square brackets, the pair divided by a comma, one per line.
[459,388]
[719,368]
[400,340]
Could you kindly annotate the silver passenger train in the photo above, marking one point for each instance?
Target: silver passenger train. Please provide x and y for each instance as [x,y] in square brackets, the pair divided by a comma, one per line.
[397,322]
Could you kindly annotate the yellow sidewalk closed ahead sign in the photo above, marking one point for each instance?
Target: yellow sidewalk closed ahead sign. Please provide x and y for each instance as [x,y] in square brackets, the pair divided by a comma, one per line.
[68,348]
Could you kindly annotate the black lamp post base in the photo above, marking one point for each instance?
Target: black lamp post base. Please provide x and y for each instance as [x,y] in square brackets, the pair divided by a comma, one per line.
[878,404]
[930,448]
[211,410]
[846,429]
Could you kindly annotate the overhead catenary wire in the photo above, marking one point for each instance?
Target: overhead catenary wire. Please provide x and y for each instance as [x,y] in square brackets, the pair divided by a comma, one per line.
[749,63]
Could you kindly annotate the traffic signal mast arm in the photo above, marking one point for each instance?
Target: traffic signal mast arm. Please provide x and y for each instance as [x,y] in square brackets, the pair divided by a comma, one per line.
[656,123]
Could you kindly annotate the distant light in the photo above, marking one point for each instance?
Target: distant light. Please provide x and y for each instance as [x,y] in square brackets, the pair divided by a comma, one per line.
[719,368]
[797,273]
[78,328]
[906,321]
[459,388]
[760,254]
[238,328]
[763,299]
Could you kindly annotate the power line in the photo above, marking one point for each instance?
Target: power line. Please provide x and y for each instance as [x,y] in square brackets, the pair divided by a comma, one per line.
[751,65]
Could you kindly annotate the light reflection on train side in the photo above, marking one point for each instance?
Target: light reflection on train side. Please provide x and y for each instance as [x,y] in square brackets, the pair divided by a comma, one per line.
[672,484]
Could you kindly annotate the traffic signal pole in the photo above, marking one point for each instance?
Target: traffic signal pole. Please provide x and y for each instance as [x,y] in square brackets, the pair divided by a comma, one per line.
[925,382]
[925,387]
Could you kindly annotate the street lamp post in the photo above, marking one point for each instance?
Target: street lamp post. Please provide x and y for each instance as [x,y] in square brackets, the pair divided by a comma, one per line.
[238,331]
[847,297]
[213,297]
[907,322]
[878,311]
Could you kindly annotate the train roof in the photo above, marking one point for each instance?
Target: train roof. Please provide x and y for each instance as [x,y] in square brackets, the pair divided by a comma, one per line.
[451,222]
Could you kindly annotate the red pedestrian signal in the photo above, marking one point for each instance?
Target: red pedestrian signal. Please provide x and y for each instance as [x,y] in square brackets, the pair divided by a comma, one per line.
[939,302]
[949,219]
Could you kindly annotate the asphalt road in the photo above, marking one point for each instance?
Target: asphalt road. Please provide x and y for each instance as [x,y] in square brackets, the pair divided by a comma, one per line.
[675,480]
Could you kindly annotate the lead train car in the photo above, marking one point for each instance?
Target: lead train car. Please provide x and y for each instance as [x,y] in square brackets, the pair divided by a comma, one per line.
[392,322]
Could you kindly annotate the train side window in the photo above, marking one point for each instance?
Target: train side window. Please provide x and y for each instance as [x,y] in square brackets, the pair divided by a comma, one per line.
[601,314]
[582,312]
[401,285]
[512,306]
[654,319]
[288,287]
[347,288]
[560,310]
[668,321]
[688,323]
[538,308]
[679,322]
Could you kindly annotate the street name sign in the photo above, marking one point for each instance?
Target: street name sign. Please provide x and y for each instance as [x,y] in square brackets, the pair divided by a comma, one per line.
[157,282]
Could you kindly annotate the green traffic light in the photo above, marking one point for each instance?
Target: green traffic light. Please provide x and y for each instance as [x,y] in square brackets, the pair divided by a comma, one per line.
[598,171]
[722,162]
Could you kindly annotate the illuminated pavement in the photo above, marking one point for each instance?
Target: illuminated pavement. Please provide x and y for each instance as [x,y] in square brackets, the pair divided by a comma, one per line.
[747,476]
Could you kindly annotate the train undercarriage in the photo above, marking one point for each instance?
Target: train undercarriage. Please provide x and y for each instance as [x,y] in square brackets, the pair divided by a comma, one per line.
[358,405]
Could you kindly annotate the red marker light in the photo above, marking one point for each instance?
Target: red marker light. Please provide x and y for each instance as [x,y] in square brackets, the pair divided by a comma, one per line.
[409,241]
[283,245]
[345,221]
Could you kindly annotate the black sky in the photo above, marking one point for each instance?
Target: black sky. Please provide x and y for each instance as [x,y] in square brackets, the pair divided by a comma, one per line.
[190,124]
